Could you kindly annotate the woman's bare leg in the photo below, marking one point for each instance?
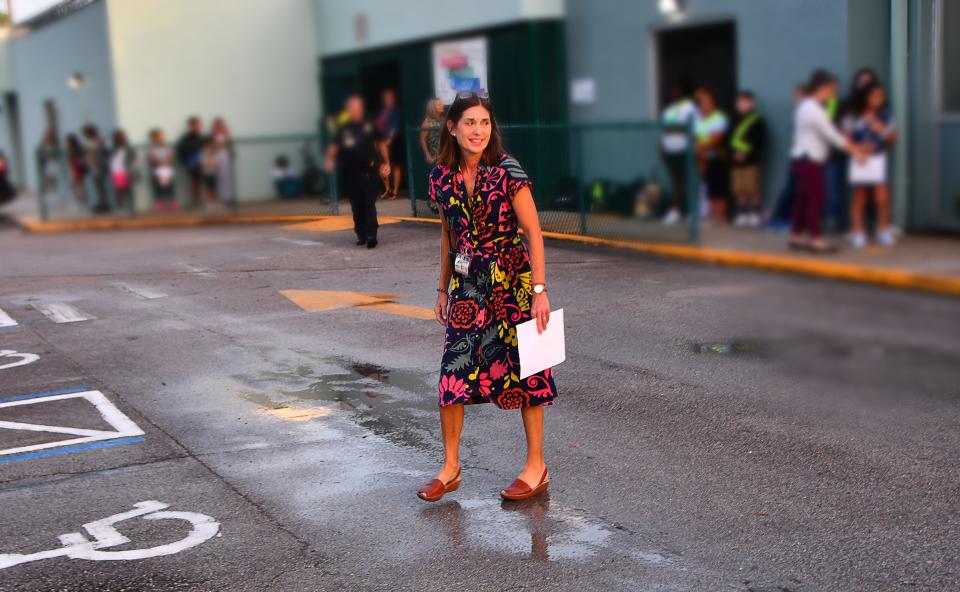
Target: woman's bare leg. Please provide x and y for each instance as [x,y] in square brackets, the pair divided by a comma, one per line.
[857,209]
[451,425]
[533,427]
[397,177]
[881,195]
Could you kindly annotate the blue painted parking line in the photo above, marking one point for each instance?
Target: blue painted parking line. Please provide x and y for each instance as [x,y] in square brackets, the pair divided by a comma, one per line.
[46,394]
[68,449]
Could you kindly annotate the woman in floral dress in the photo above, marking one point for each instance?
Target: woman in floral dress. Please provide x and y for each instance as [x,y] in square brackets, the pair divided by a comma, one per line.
[484,199]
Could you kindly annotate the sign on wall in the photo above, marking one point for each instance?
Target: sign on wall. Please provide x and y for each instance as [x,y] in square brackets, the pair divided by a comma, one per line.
[459,65]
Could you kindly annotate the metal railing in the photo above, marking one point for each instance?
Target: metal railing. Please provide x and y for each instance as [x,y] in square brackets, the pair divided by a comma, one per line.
[251,178]
[606,179]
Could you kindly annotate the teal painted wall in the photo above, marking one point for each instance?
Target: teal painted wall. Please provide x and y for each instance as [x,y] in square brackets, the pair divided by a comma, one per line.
[44,59]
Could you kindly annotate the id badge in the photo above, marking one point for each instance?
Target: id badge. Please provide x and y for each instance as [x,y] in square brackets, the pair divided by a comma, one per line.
[461,264]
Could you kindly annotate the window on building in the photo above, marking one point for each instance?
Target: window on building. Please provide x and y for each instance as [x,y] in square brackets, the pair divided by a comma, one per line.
[950,56]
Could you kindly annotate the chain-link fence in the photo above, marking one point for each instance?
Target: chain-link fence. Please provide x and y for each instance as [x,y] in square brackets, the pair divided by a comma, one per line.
[279,174]
[608,180]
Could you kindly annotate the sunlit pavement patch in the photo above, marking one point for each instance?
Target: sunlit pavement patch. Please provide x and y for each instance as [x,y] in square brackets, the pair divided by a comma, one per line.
[334,224]
[296,414]
[324,300]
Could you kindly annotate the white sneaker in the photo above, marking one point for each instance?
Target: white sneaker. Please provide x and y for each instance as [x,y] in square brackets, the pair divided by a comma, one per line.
[672,217]
[741,220]
[886,238]
[858,240]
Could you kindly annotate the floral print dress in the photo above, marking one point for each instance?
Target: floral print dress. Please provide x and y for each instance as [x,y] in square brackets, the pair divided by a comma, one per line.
[480,361]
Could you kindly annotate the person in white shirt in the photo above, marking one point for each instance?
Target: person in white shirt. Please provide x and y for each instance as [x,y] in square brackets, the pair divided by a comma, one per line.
[813,135]
[676,122]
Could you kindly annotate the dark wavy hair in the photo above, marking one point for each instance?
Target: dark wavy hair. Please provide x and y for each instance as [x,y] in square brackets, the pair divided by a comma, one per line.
[858,105]
[448,154]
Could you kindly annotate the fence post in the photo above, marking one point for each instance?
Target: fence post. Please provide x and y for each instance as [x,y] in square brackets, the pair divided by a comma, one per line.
[693,189]
[41,190]
[234,198]
[410,186]
[581,179]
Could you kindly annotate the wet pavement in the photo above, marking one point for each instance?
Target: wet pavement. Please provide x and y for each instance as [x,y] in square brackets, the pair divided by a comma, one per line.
[717,429]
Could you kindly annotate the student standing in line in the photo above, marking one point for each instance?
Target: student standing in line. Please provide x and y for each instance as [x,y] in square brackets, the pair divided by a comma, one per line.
[354,150]
[870,124]
[748,146]
[78,170]
[160,163]
[210,174]
[95,156]
[430,136]
[676,121]
[813,135]
[837,209]
[390,127]
[220,134]
[711,132]
[189,148]
[782,212]
[122,173]
[48,158]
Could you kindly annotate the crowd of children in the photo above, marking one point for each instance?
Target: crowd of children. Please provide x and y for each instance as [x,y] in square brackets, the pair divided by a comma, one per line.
[102,176]
[839,148]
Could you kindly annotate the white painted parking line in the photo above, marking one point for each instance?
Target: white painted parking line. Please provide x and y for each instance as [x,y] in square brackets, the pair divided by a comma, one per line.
[103,535]
[59,312]
[197,269]
[140,291]
[6,321]
[123,426]
[23,360]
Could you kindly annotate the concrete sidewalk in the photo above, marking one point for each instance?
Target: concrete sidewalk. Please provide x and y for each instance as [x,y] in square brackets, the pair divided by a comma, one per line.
[930,264]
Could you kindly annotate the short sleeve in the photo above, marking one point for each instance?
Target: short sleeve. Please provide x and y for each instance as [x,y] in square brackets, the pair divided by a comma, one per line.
[517,178]
[433,183]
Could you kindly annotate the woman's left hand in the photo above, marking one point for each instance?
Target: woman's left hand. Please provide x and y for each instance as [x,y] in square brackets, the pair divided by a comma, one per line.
[384,170]
[540,311]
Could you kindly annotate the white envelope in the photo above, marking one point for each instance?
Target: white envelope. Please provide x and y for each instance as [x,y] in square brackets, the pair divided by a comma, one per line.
[541,351]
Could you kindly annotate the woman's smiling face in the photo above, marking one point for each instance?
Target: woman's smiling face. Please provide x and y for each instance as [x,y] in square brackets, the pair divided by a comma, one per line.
[473,130]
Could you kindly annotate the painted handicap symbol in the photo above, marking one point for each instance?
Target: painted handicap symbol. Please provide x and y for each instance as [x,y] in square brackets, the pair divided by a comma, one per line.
[23,361]
[76,545]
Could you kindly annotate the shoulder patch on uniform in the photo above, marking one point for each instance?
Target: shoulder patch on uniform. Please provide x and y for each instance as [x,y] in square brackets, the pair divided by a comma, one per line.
[512,166]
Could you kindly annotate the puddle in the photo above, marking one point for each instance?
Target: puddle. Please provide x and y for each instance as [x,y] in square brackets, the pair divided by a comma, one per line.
[537,528]
[736,347]
[399,405]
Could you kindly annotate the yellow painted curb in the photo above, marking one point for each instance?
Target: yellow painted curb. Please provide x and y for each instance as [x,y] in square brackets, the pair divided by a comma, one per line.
[895,278]
[136,223]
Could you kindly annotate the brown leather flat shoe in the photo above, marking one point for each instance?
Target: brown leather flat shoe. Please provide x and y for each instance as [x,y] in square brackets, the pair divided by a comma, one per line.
[519,490]
[435,489]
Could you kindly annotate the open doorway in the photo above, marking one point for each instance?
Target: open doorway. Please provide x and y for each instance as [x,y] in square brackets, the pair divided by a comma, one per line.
[701,56]
[375,78]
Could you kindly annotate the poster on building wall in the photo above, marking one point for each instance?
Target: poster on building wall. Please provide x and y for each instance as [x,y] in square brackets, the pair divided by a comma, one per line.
[459,65]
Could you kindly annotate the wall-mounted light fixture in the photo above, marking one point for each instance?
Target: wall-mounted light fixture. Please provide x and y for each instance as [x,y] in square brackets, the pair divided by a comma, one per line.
[76,81]
[671,7]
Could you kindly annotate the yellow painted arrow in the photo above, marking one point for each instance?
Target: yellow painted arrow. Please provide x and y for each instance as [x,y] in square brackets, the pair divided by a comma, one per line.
[323,300]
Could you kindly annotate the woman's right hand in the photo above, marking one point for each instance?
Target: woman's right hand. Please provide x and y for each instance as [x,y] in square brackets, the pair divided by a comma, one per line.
[441,308]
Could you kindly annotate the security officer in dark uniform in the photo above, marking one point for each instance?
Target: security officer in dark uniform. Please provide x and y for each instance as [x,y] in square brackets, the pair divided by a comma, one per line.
[354,149]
